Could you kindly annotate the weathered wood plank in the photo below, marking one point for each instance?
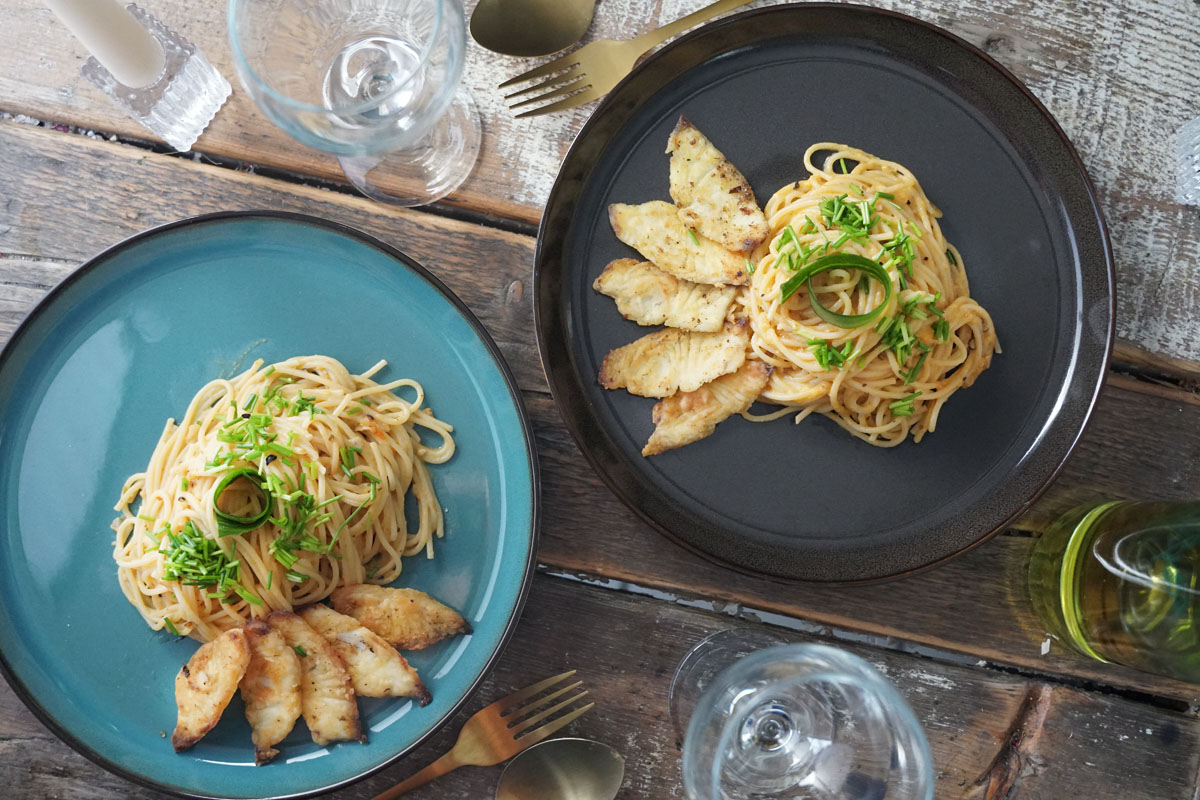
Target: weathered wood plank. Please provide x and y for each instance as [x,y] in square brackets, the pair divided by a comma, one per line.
[1120,78]
[990,733]
[49,216]
[588,532]
[67,197]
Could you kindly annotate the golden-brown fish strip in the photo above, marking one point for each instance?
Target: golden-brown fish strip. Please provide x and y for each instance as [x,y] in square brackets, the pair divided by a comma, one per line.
[690,416]
[405,618]
[713,197]
[375,667]
[326,692]
[270,689]
[668,361]
[655,230]
[205,685]
[649,296]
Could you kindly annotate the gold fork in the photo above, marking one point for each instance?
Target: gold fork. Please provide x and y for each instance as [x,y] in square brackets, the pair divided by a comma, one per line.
[594,69]
[501,730]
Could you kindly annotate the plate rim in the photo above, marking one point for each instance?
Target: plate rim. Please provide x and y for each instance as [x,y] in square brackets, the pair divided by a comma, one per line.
[552,336]
[87,266]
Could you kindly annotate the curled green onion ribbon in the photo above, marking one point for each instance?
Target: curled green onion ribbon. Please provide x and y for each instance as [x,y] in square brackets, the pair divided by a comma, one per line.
[230,524]
[839,261]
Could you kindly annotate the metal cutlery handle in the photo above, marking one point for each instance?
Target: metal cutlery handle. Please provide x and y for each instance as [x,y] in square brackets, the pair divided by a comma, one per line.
[660,35]
[437,769]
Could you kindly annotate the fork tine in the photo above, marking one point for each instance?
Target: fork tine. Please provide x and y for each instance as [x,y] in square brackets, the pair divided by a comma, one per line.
[545,69]
[541,701]
[512,701]
[517,727]
[574,100]
[551,81]
[570,88]
[534,736]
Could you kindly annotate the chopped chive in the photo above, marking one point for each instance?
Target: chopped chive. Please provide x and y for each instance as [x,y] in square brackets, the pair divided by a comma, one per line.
[171,626]
[270,576]
[856,189]
[248,596]
[904,406]
[749,266]
[886,195]
[251,402]
[950,257]
[300,651]
[692,236]
[269,371]
[183,483]
[842,162]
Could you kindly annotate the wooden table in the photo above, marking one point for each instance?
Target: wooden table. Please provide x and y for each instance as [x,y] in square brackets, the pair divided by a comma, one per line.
[1006,718]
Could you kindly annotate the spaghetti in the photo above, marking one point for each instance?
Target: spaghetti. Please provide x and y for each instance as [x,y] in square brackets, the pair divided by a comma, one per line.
[276,487]
[880,359]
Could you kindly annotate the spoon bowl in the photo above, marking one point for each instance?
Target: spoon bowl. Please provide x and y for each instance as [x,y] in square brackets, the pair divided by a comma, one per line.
[530,27]
[564,769]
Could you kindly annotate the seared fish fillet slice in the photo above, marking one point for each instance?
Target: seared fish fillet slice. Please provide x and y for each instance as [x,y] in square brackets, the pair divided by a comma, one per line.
[713,197]
[405,618]
[655,230]
[375,667]
[649,296]
[270,689]
[668,361]
[205,685]
[326,691]
[690,416]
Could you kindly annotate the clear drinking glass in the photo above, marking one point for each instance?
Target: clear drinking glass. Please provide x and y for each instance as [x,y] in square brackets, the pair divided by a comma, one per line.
[375,82]
[795,721]
[1120,581]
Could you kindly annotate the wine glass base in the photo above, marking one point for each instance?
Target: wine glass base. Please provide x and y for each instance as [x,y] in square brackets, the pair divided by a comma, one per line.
[704,663]
[430,169]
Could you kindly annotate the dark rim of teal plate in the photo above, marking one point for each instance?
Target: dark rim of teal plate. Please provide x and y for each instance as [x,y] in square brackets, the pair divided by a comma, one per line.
[552,308]
[82,748]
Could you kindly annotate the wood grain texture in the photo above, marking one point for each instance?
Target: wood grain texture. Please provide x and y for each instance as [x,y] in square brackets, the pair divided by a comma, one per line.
[1119,76]
[993,735]
[51,214]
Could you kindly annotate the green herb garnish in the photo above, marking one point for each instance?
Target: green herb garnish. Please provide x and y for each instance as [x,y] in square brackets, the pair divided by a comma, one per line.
[904,406]
[230,524]
[839,261]
[193,559]
[828,356]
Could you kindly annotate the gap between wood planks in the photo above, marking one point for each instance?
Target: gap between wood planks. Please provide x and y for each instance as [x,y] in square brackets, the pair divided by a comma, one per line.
[440,209]
[1129,359]
[889,643]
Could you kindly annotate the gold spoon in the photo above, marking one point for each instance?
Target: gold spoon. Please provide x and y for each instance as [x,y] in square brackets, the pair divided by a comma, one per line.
[563,769]
[530,27]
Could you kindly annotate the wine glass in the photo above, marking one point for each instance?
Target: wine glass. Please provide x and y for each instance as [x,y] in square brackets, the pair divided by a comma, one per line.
[1120,581]
[375,83]
[794,721]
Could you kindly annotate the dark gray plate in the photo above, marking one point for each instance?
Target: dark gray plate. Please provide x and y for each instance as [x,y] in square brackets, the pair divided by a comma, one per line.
[808,501]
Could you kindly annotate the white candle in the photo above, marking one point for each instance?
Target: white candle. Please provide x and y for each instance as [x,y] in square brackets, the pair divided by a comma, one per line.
[114,37]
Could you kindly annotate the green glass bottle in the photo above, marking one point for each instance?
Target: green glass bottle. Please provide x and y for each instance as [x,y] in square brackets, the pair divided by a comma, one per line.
[1120,581]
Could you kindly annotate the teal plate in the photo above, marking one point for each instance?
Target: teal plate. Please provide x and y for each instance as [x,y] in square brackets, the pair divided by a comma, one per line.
[86,384]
